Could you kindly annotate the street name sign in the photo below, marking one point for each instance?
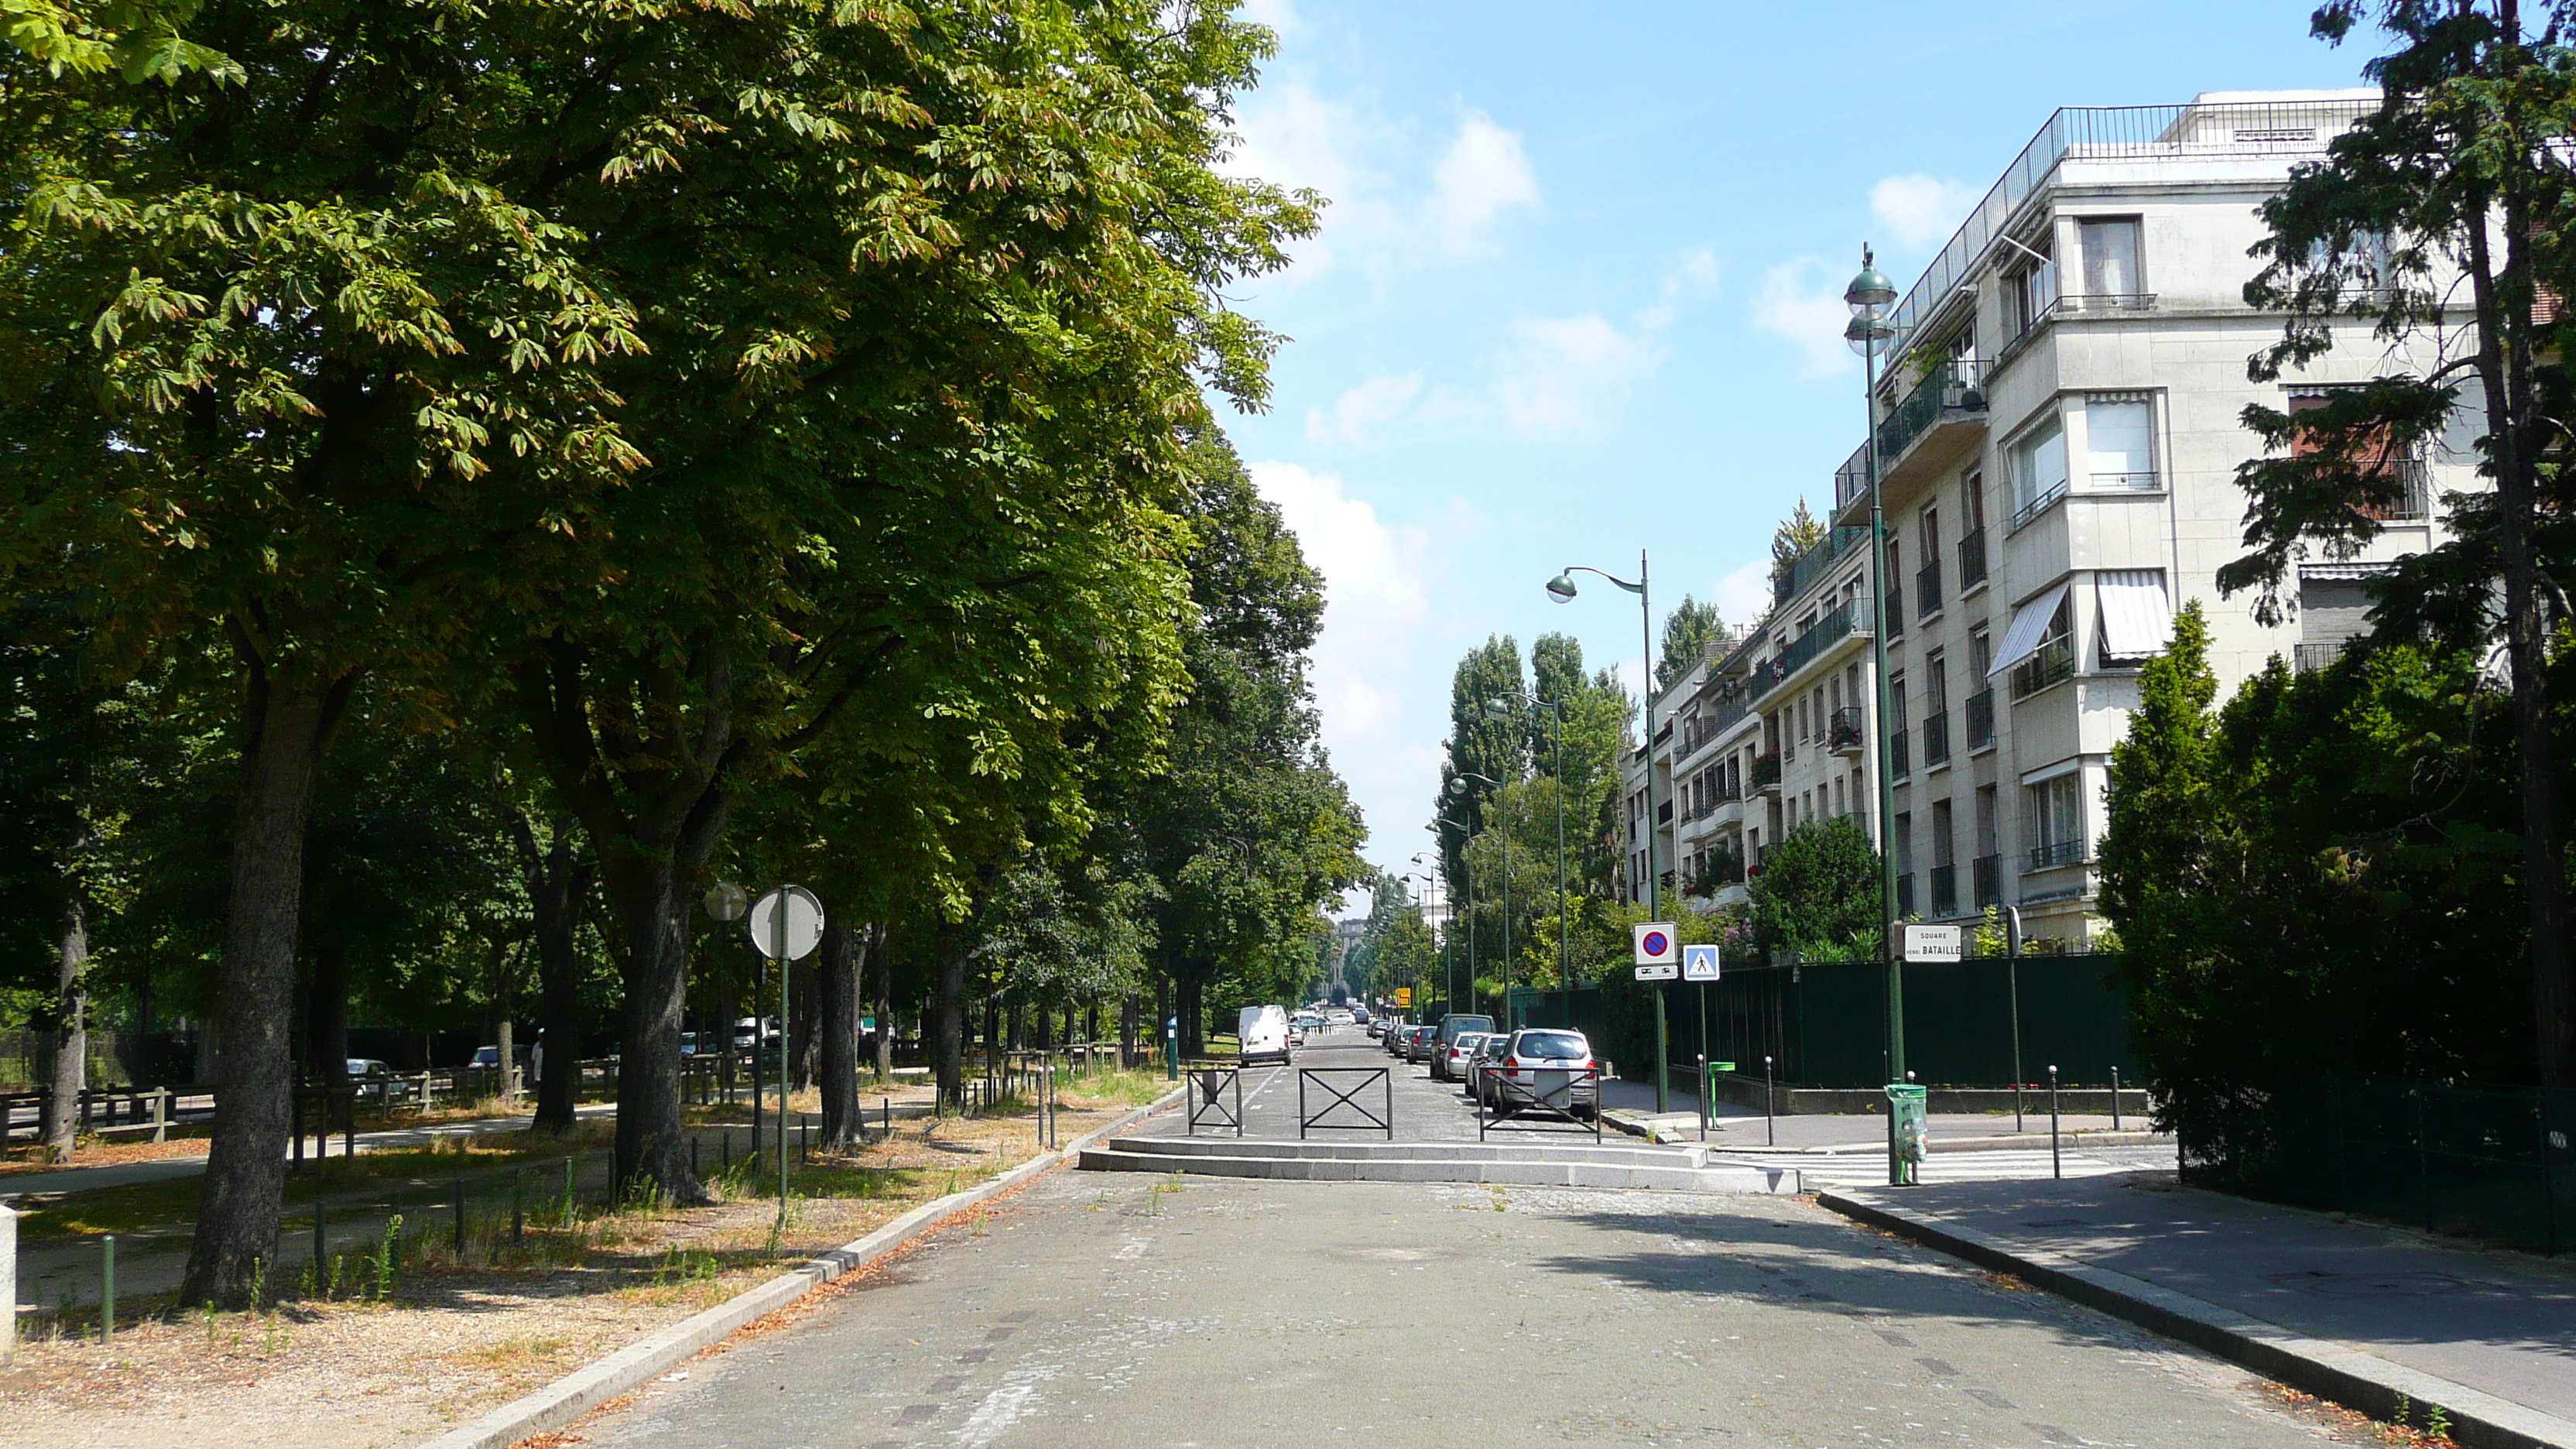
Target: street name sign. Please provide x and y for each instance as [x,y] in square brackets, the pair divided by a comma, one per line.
[1931,943]
[1699,963]
[1658,951]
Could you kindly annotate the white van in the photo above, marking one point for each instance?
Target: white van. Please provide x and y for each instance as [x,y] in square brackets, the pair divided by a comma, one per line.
[1263,1030]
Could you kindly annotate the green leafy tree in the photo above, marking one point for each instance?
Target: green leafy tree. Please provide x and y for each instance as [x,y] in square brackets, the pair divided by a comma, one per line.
[1480,743]
[1818,894]
[1691,630]
[2436,221]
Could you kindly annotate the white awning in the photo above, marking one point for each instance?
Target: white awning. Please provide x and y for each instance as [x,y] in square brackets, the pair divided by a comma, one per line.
[2029,628]
[2137,619]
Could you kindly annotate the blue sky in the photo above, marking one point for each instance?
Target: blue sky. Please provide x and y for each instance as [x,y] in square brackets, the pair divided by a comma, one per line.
[1578,291]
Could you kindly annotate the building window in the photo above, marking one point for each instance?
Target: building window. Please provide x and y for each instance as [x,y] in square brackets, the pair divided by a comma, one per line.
[2037,470]
[2111,275]
[1988,869]
[2119,443]
[2051,658]
[2055,809]
[2395,467]
[1972,542]
[2029,294]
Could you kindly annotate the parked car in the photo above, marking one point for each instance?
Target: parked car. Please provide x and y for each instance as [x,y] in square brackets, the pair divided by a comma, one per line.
[1534,1051]
[1421,1043]
[1376,1029]
[1449,1063]
[368,1067]
[1489,1054]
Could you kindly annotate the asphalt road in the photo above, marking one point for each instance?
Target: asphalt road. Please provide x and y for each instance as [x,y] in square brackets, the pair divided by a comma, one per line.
[1134,1312]
[1346,1063]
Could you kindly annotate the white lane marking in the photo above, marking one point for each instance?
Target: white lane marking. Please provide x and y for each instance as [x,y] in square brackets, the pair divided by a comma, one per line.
[1130,1251]
[1000,1409]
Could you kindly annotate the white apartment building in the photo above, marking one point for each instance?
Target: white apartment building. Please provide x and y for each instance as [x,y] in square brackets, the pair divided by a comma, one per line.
[2054,486]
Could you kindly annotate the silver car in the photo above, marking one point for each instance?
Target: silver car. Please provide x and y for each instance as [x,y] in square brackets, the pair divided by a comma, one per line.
[1451,1064]
[1534,1067]
[1489,1055]
[1421,1043]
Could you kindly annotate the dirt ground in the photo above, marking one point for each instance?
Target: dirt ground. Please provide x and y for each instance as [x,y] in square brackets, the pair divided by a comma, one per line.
[350,1370]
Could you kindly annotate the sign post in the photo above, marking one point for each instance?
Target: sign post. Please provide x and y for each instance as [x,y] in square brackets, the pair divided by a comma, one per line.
[1699,963]
[1658,960]
[786,924]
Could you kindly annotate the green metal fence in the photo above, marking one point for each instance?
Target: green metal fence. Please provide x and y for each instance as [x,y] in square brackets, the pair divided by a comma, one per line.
[1826,1024]
[2486,1162]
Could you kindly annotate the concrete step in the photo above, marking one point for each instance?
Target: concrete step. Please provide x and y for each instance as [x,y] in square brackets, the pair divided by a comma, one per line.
[1609,1153]
[1522,1167]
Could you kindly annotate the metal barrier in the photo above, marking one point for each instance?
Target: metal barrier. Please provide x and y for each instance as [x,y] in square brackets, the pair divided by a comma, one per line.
[1557,1092]
[1207,1098]
[1306,1118]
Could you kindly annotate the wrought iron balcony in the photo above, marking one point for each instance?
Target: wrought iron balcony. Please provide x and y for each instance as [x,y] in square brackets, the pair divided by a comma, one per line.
[1945,890]
[2054,664]
[1948,388]
[1986,876]
[1905,895]
[2055,854]
[1981,719]
[1936,738]
[1897,765]
[1844,735]
[1972,559]
[1927,589]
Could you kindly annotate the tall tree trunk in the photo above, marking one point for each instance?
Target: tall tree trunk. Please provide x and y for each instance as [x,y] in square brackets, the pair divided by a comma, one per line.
[652,1136]
[69,1074]
[1193,984]
[885,1004]
[557,877]
[2516,432]
[1127,1030]
[328,1030]
[245,1178]
[842,968]
[952,944]
[804,988]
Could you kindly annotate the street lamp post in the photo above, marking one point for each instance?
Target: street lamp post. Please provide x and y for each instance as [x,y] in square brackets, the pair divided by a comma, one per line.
[1458,787]
[1498,709]
[1869,296]
[1465,907]
[1561,588]
[1430,878]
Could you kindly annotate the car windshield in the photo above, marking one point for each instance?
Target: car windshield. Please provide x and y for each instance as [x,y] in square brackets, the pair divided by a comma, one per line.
[1553,1045]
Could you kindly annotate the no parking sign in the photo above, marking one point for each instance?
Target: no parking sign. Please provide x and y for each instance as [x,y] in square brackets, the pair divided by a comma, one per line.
[1659,951]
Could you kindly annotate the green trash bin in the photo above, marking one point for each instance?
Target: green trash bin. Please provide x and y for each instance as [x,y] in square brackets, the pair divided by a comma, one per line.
[1909,1127]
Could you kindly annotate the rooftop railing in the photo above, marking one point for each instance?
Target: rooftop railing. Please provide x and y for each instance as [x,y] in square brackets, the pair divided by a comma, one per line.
[1811,565]
[1805,647]
[2187,132]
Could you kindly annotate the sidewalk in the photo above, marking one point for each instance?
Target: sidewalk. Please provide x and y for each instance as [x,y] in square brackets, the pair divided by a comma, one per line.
[2356,1311]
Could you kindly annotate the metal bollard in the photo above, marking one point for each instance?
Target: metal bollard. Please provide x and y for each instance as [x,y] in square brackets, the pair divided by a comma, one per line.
[2115,1099]
[571,1163]
[2056,1166]
[8,1278]
[1770,1133]
[106,1288]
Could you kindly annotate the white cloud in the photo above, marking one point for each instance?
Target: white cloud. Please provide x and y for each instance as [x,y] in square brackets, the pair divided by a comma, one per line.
[1562,373]
[1921,210]
[1802,304]
[1375,596]
[1358,413]
[1745,595]
[1483,174]
[1279,15]
[1696,276]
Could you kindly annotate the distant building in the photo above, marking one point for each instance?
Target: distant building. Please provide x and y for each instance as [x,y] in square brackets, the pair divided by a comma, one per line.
[2058,444]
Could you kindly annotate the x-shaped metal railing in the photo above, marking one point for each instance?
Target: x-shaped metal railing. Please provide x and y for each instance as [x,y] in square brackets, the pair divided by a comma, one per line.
[1341,1097]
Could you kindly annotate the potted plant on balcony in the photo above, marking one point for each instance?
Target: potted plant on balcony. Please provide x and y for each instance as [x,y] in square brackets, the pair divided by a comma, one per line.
[1843,735]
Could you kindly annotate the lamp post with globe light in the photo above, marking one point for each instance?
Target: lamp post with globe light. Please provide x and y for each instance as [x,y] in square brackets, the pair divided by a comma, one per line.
[1502,709]
[1869,296]
[1458,788]
[1465,909]
[1561,588]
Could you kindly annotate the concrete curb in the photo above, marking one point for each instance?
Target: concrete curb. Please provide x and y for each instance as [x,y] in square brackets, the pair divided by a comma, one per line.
[2350,1377]
[586,1388]
[1782,1181]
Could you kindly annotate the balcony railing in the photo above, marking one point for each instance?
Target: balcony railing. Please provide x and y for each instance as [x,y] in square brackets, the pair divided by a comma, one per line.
[1766,771]
[2022,516]
[2105,304]
[1809,566]
[1972,559]
[1897,766]
[2135,134]
[2309,658]
[2055,854]
[1936,738]
[2054,664]
[1981,719]
[1927,589]
[1895,610]
[1905,895]
[2123,482]
[1986,877]
[1951,387]
[1945,890]
[1664,813]
[1803,649]
[1843,734]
